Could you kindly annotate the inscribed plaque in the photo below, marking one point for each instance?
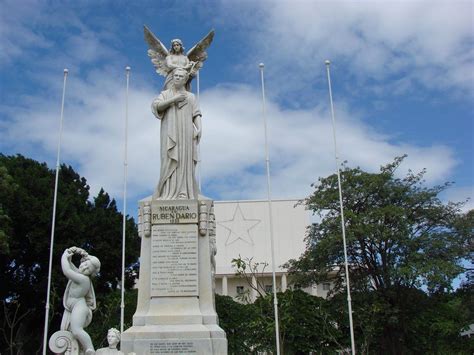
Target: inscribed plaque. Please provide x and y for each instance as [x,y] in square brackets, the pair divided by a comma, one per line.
[174,260]
[173,347]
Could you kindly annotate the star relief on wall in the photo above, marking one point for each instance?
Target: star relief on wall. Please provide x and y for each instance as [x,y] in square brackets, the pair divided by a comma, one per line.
[239,227]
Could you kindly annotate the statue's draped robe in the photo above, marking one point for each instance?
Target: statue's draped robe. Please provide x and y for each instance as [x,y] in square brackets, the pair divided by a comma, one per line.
[69,304]
[178,147]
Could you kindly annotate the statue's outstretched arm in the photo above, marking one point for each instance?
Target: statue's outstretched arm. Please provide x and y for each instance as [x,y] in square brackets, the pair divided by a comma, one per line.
[69,270]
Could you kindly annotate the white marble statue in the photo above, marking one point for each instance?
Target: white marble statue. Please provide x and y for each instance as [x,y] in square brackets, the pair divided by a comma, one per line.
[178,110]
[181,129]
[113,338]
[166,61]
[79,298]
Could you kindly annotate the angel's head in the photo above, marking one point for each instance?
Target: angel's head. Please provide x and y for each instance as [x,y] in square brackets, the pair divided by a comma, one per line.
[176,46]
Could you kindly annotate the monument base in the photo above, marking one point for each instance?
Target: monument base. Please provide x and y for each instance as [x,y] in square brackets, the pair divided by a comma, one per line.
[196,339]
[175,307]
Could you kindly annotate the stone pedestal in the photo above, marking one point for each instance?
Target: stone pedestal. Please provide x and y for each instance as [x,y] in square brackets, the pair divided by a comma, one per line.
[175,308]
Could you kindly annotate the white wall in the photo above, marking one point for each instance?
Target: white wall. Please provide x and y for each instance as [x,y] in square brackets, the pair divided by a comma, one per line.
[243,229]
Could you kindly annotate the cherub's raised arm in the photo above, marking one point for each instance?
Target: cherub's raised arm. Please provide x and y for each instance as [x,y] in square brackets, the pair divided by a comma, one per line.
[69,269]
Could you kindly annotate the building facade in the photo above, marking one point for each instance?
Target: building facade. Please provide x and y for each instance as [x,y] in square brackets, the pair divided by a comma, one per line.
[243,230]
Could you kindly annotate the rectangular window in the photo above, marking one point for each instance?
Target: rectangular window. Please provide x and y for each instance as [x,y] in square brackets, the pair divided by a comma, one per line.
[326,286]
[240,290]
[268,288]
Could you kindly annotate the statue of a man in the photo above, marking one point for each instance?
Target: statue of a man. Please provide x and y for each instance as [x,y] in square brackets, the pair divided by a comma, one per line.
[181,128]
[113,338]
[79,297]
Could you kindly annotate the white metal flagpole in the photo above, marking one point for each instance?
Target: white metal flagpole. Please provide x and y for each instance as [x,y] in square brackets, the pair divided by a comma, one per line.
[53,223]
[348,286]
[124,221]
[199,145]
[267,161]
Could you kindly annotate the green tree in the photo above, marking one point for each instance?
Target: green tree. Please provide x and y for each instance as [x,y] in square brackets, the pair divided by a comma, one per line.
[400,236]
[107,315]
[94,226]
[306,324]
[419,323]
[250,271]
[105,227]
[234,318]
[7,189]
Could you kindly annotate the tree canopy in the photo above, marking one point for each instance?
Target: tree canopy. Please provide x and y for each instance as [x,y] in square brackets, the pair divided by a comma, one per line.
[401,240]
[399,233]
[26,196]
[306,324]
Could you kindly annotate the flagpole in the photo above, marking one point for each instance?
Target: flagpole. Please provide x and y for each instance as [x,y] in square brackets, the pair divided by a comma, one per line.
[267,162]
[199,145]
[124,212]
[346,264]
[53,222]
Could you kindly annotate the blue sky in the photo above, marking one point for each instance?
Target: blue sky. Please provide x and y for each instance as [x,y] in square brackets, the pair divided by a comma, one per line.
[402,74]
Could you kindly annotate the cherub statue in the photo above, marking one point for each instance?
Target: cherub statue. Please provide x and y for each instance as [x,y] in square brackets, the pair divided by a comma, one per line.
[166,61]
[113,338]
[79,297]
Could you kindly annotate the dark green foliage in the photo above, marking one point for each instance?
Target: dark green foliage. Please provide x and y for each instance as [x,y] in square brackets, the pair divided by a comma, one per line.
[416,322]
[25,229]
[401,239]
[7,189]
[305,324]
[398,231]
[105,224]
[108,315]
[235,318]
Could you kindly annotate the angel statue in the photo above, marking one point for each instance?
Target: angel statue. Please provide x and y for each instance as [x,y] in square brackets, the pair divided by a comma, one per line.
[166,61]
[178,110]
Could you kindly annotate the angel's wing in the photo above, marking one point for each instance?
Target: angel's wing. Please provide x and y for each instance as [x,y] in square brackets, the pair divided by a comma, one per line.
[198,53]
[157,52]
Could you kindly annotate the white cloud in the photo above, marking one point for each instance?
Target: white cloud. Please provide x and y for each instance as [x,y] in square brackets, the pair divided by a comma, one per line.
[42,36]
[373,40]
[460,194]
[301,145]
[232,144]
[19,31]
[425,42]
